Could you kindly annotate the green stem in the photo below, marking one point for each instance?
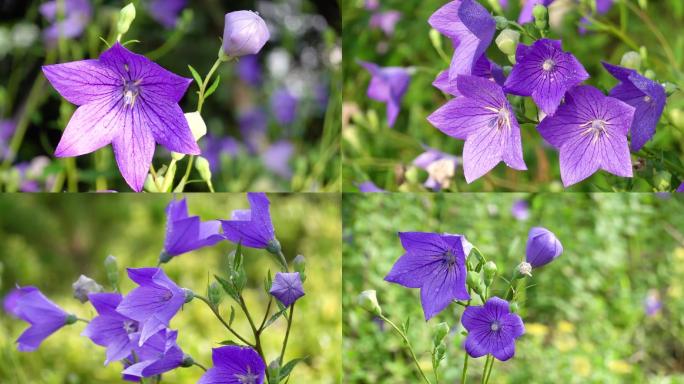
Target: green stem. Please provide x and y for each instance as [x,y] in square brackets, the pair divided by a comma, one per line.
[489,371]
[465,368]
[287,334]
[200,365]
[268,310]
[218,316]
[282,260]
[408,345]
[673,168]
[255,331]
[484,369]
[205,83]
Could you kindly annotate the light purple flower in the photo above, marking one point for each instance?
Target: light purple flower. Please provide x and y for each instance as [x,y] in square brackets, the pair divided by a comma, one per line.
[287,287]
[284,106]
[77,15]
[470,28]
[486,121]
[369,186]
[590,130]
[249,70]
[520,210]
[154,302]
[385,21]
[544,72]
[245,33]
[434,263]
[252,227]
[253,124]
[126,100]
[483,68]
[111,329]
[645,95]
[217,147]
[429,161]
[526,12]
[159,354]
[166,11]
[543,247]
[652,303]
[371,5]
[387,85]
[7,128]
[9,303]
[185,233]
[680,188]
[492,329]
[277,157]
[235,365]
[32,175]
[44,316]
[602,6]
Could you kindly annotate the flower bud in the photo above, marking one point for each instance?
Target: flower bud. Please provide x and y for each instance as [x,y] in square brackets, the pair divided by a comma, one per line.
[215,293]
[511,59]
[649,74]
[501,22]
[440,351]
[126,17]
[273,371]
[489,272]
[473,281]
[441,330]
[631,60]
[299,264]
[507,41]
[187,361]
[670,88]
[542,247]
[70,319]
[189,295]
[514,307]
[541,16]
[245,33]
[274,247]
[435,39]
[202,166]
[662,181]
[112,270]
[83,286]
[368,300]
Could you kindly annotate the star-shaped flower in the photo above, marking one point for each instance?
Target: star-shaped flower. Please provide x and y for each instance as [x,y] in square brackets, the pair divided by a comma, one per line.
[126,100]
[434,263]
[544,72]
[287,287]
[251,227]
[483,68]
[590,130]
[388,85]
[159,354]
[111,329]
[492,329]
[186,233]
[645,95]
[485,120]
[235,365]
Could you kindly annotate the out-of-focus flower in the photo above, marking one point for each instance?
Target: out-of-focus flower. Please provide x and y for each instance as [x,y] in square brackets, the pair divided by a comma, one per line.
[253,124]
[245,33]
[85,286]
[369,186]
[385,21]
[277,158]
[32,175]
[652,303]
[492,328]
[284,106]
[44,317]
[441,167]
[602,7]
[542,247]
[76,15]
[249,70]
[24,34]
[388,85]
[166,11]
[372,5]
[520,210]
[217,147]
[680,188]
[235,365]
[7,128]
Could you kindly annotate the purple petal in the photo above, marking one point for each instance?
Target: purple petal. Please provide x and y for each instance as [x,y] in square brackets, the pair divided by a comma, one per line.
[83,81]
[91,127]
[133,149]
[168,125]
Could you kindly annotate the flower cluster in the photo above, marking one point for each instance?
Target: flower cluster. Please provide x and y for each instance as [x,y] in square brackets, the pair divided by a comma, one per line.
[135,328]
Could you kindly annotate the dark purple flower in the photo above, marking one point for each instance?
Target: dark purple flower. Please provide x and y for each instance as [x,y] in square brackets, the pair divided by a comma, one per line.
[483,68]
[235,365]
[77,14]
[590,130]
[251,227]
[520,210]
[44,316]
[526,12]
[166,11]
[385,21]
[126,100]
[186,233]
[9,303]
[369,186]
[154,302]
[111,329]
[602,6]
[284,106]
[492,329]
[645,95]
[387,85]
[249,70]
[652,303]
[485,120]
[439,165]
[542,247]
[159,354]
[7,128]
[277,157]
[680,188]
[470,28]
[287,287]
[253,124]
[434,263]
[544,72]
[245,33]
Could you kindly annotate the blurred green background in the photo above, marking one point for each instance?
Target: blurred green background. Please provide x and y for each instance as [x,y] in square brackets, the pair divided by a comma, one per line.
[584,312]
[373,151]
[48,241]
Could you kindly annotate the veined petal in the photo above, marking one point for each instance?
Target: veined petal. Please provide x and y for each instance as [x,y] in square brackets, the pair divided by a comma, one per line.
[84,81]
[482,151]
[615,157]
[436,293]
[133,149]
[168,125]
[579,159]
[413,270]
[91,127]
[461,117]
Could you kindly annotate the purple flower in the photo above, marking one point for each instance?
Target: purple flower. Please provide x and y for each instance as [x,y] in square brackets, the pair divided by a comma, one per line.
[520,210]
[492,329]
[216,147]
[166,11]
[235,365]
[245,33]
[590,130]
[371,5]
[483,68]
[543,247]
[645,95]
[44,316]
[544,72]
[111,329]
[252,227]
[385,21]
[77,14]
[284,106]
[159,354]
[652,303]
[287,287]
[253,125]
[680,188]
[249,70]
[526,13]
[436,264]
[485,120]
[602,6]
[7,128]
[387,85]
[369,186]
[470,28]
[126,100]
[439,165]
[277,157]
[186,233]
[154,302]
[9,303]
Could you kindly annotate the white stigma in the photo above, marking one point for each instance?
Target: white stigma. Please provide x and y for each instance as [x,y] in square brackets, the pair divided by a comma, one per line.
[495,326]
[503,118]
[130,92]
[647,98]
[596,128]
[548,65]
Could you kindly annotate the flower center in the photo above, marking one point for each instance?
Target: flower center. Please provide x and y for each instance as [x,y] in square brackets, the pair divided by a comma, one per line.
[502,119]
[131,90]
[596,128]
[247,378]
[449,258]
[548,65]
[130,326]
[495,326]
[647,98]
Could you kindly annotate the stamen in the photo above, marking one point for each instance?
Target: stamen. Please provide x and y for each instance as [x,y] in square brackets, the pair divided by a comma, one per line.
[503,118]
[495,326]
[647,98]
[131,91]
[548,65]
[596,128]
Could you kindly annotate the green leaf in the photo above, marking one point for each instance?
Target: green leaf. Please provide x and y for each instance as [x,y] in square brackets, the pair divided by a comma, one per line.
[228,287]
[212,87]
[229,342]
[232,316]
[275,317]
[238,257]
[289,366]
[195,75]
[268,282]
